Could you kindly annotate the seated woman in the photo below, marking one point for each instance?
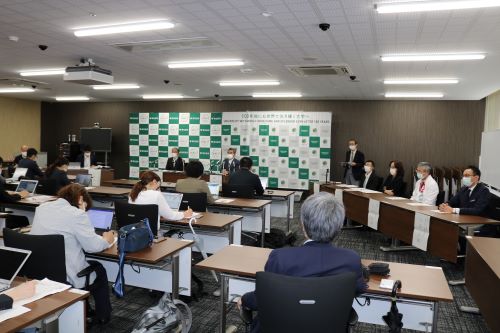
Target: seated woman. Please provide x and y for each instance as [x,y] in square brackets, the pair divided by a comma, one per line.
[67,216]
[193,183]
[8,196]
[57,172]
[147,192]
[394,184]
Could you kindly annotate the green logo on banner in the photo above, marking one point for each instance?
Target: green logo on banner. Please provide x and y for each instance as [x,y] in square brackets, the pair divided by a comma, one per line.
[244,150]
[134,140]
[314,142]
[315,130]
[183,129]
[134,161]
[244,139]
[163,151]
[143,151]
[264,172]
[194,118]
[304,130]
[173,118]
[235,140]
[204,153]
[293,151]
[294,130]
[154,118]
[184,152]
[272,182]
[303,162]
[274,141]
[263,129]
[226,129]
[273,171]
[293,162]
[283,152]
[133,117]
[194,141]
[303,173]
[255,160]
[163,129]
[304,140]
[205,130]
[215,142]
[173,141]
[324,153]
[216,118]
[143,129]
[153,140]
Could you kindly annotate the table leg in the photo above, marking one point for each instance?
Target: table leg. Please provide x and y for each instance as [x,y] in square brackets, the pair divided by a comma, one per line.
[224,289]
[263,233]
[396,247]
[456,282]
[435,317]
[288,213]
[231,233]
[175,276]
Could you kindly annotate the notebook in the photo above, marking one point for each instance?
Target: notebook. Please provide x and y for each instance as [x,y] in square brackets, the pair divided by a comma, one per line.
[12,261]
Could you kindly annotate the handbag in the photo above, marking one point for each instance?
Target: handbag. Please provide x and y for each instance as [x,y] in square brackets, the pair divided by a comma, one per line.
[131,238]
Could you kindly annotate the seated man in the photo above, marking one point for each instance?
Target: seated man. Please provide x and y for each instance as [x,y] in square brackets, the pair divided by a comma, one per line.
[246,177]
[175,162]
[29,162]
[426,189]
[322,217]
[88,158]
[370,180]
[24,150]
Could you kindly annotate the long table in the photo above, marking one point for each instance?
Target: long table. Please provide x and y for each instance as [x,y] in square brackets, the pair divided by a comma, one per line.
[396,219]
[422,287]
[482,277]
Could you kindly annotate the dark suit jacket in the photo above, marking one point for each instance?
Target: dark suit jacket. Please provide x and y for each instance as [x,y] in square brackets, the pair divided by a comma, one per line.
[6,197]
[247,178]
[313,259]
[475,204]
[397,185]
[374,182]
[33,169]
[5,302]
[18,158]
[359,159]
[234,166]
[60,179]
[179,164]
[81,158]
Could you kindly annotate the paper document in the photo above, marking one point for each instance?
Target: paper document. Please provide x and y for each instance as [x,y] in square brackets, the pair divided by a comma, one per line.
[418,204]
[44,288]
[438,211]
[373,213]
[421,231]
[339,194]
[395,198]
[365,190]
[89,188]
[346,186]
[357,189]
[386,283]
[14,312]
[40,198]
[224,200]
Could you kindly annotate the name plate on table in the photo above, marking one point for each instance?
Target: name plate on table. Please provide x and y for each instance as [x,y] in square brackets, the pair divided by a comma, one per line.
[339,194]
[373,213]
[421,231]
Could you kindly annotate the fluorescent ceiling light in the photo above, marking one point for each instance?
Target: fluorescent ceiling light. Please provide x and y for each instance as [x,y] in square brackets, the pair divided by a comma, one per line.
[117,86]
[277,95]
[433,57]
[40,72]
[421,81]
[424,6]
[249,83]
[123,27]
[162,96]
[72,98]
[413,95]
[207,63]
[16,90]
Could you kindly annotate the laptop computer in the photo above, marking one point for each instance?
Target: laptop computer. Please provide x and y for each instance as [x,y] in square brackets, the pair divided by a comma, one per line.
[214,189]
[27,185]
[12,260]
[174,200]
[101,219]
[74,165]
[19,172]
[84,179]
[237,191]
[263,181]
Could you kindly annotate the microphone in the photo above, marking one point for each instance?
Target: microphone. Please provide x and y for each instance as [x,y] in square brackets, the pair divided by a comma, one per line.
[326,175]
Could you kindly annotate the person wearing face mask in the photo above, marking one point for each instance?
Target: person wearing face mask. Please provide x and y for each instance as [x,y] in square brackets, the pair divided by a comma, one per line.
[8,196]
[175,162]
[426,188]
[472,199]
[370,180]
[88,158]
[354,162]
[394,184]
[22,155]
[29,163]
[230,163]
[57,173]
[67,216]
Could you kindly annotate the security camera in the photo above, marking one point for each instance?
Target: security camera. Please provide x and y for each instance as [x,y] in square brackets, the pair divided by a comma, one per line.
[353,77]
[166,81]
[33,86]
[324,26]
[216,95]
[43,47]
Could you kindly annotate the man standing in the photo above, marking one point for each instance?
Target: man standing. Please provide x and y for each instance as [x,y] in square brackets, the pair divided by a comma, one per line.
[426,189]
[354,162]
[175,162]
[230,164]
[24,150]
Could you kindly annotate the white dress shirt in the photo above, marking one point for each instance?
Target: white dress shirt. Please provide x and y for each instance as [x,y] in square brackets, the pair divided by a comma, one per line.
[86,162]
[430,193]
[59,217]
[152,197]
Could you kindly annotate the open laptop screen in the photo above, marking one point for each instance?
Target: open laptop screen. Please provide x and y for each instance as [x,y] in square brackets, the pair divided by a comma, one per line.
[214,188]
[27,185]
[100,218]
[174,200]
[263,181]
[84,179]
[12,261]
[19,172]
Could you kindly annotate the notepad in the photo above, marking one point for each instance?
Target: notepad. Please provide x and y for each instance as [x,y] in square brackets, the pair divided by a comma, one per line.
[224,200]
[386,283]
[44,288]
[14,312]
[395,198]
[418,204]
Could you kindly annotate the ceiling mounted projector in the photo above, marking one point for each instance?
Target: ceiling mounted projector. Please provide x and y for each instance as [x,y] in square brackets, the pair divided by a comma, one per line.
[87,73]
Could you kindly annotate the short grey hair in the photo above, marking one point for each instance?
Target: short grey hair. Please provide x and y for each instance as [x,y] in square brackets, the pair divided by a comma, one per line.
[322,217]
[426,165]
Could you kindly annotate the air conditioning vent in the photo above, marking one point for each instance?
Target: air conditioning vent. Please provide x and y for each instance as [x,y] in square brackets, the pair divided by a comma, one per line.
[167,45]
[317,70]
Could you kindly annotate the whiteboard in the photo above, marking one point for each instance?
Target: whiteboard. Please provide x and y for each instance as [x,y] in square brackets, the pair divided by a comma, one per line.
[489,161]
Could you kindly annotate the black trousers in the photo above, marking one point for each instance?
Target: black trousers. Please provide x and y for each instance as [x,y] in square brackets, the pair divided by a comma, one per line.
[100,291]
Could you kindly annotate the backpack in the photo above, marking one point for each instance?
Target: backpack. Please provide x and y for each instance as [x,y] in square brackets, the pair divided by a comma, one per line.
[167,316]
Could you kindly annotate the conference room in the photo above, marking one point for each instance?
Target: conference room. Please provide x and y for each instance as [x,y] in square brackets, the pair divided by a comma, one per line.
[249,166]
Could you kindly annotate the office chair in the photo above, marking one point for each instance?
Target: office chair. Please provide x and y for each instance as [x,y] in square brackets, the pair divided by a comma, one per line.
[131,213]
[196,201]
[237,191]
[440,198]
[47,187]
[305,304]
[16,221]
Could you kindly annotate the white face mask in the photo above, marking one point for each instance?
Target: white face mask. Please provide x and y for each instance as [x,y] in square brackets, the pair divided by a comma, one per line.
[368,168]
[393,171]
[230,156]
[24,154]
[87,155]
[174,155]
[352,147]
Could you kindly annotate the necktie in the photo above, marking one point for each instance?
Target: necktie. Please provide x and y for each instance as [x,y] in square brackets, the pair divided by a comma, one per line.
[231,167]
[469,191]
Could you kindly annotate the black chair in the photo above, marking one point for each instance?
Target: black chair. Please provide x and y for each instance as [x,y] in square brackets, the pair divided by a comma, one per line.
[47,187]
[305,304]
[130,214]
[16,221]
[237,191]
[440,198]
[196,201]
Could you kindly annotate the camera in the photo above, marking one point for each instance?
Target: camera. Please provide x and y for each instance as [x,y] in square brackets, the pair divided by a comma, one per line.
[216,95]
[324,26]
[43,47]
[166,81]
[353,77]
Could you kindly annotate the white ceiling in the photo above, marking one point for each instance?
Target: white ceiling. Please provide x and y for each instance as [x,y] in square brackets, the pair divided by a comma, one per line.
[358,37]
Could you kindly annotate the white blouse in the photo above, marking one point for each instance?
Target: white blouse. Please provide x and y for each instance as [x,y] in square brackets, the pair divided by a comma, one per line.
[152,197]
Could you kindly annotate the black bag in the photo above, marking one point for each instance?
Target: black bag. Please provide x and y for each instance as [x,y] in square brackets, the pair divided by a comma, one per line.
[379,268]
